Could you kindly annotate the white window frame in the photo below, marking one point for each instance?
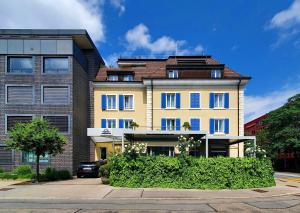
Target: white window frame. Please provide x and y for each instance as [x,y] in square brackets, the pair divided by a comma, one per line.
[20,115]
[129,109]
[55,85]
[56,73]
[114,76]
[19,85]
[169,119]
[216,73]
[107,123]
[170,93]
[173,74]
[116,105]
[66,115]
[223,96]
[126,119]
[222,130]
[190,99]
[18,56]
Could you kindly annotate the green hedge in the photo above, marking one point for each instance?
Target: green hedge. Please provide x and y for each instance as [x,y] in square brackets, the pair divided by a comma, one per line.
[191,173]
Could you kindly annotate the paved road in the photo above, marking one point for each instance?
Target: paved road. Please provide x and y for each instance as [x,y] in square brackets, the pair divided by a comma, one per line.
[88,195]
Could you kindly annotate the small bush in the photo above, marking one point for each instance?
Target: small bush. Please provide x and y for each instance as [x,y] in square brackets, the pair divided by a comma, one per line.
[190,172]
[23,171]
[53,174]
[104,171]
[1,170]
[8,176]
[63,175]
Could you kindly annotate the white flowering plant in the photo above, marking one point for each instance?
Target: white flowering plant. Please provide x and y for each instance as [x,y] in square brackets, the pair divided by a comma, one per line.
[252,151]
[184,144]
[135,149]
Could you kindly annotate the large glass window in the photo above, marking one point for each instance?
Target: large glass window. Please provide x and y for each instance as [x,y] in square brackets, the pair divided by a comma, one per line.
[111,102]
[216,73]
[219,100]
[56,65]
[30,157]
[127,123]
[128,99]
[111,123]
[170,100]
[59,122]
[19,65]
[219,125]
[112,77]
[171,124]
[12,120]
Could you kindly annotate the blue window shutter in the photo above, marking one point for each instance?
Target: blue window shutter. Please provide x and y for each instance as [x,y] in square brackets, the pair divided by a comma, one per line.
[103,100]
[121,123]
[195,124]
[177,124]
[211,100]
[163,100]
[226,103]
[121,102]
[178,100]
[103,123]
[226,126]
[195,100]
[163,124]
[211,126]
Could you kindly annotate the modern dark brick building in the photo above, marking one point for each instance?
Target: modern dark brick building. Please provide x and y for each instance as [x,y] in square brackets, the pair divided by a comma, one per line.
[48,73]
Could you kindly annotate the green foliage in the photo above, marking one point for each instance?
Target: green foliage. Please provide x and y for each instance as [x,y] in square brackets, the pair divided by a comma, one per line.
[184,144]
[133,125]
[1,170]
[23,171]
[8,176]
[251,151]
[282,127]
[186,125]
[197,173]
[133,150]
[104,170]
[53,174]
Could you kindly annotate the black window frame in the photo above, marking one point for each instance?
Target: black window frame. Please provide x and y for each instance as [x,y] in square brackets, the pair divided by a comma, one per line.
[55,72]
[8,69]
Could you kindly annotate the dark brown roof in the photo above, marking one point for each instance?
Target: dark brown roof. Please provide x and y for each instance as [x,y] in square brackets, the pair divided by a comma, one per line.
[197,67]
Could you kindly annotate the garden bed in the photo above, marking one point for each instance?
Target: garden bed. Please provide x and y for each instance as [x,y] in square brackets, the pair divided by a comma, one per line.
[190,172]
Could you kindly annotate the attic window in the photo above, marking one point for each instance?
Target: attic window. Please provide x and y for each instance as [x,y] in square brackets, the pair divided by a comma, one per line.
[113,77]
[173,74]
[216,74]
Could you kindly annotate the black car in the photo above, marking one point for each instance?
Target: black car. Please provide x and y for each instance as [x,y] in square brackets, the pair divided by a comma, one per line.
[88,169]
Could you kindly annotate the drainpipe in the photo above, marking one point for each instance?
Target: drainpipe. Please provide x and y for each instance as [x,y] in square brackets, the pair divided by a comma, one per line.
[152,103]
[238,93]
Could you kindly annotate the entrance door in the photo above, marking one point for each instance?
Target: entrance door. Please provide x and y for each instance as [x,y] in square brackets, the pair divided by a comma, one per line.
[103,153]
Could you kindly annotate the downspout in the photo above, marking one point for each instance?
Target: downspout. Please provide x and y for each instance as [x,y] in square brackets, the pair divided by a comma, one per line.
[238,93]
[152,103]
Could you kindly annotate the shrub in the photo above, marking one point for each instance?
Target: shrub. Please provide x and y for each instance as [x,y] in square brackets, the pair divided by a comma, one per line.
[53,174]
[8,175]
[1,170]
[104,171]
[190,172]
[63,175]
[23,171]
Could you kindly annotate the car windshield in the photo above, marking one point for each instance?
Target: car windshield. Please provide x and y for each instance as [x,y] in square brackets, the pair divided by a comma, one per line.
[87,164]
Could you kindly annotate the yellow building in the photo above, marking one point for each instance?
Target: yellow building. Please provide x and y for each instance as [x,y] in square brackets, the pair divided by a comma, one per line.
[160,95]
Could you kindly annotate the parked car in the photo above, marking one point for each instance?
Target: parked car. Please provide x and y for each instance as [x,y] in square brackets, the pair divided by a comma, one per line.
[88,169]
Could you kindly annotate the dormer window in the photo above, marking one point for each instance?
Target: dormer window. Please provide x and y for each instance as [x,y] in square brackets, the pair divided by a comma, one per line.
[173,74]
[216,74]
[112,77]
[128,78]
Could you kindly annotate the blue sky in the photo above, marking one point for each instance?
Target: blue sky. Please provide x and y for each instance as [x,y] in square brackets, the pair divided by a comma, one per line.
[256,38]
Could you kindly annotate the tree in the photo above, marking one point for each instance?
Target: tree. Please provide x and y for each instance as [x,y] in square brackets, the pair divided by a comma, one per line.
[282,127]
[37,137]
[186,125]
[133,125]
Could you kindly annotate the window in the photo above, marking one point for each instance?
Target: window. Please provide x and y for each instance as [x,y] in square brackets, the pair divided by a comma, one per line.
[19,94]
[19,65]
[194,100]
[127,123]
[219,100]
[127,78]
[171,124]
[128,102]
[111,102]
[216,73]
[12,120]
[113,78]
[219,126]
[111,123]
[195,124]
[170,100]
[30,157]
[56,65]
[56,95]
[59,122]
[173,74]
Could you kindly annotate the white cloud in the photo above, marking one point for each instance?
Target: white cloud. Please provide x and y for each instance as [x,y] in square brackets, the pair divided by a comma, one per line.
[199,49]
[288,17]
[256,106]
[139,38]
[119,4]
[53,14]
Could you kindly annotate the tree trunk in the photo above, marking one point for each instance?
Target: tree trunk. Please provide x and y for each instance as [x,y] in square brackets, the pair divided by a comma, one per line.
[37,168]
